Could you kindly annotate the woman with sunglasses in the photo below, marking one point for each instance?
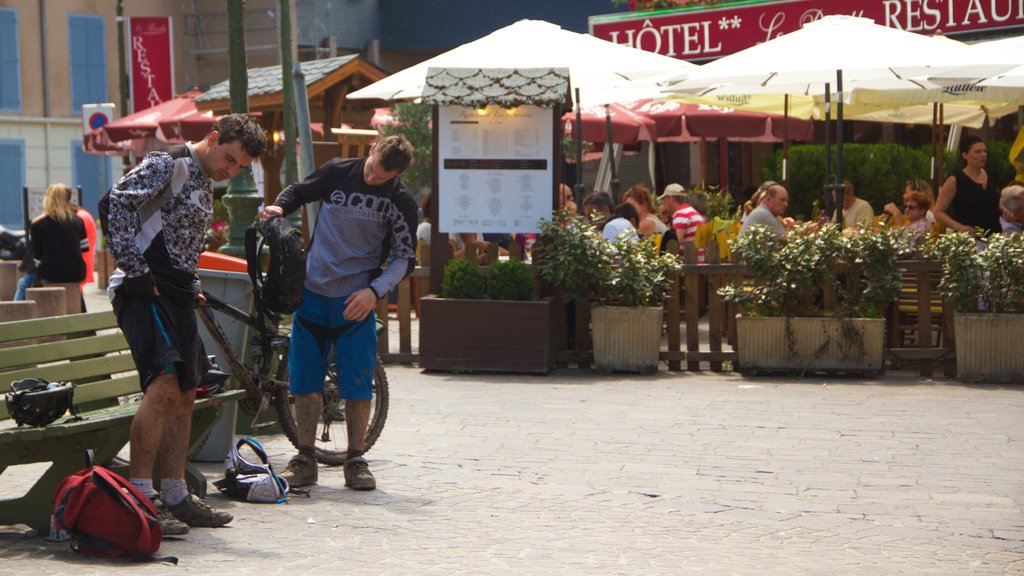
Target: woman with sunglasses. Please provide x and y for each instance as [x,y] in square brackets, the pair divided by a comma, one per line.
[912,186]
[969,199]
[915,208]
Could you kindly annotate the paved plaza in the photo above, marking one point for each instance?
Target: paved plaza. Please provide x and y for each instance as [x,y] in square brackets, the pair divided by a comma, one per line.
[578,473]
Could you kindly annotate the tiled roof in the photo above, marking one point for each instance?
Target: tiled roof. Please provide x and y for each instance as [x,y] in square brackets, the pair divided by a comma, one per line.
[506,87]
[267,80]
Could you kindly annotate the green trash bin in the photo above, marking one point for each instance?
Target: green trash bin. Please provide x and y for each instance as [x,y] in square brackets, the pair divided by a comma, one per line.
[235,288]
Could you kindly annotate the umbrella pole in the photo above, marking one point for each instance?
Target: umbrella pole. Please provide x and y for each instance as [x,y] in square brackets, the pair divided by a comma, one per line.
[614,184]
[785,141]
[934,175]
[828,200]
[579,188]
[941,157]
[839,148]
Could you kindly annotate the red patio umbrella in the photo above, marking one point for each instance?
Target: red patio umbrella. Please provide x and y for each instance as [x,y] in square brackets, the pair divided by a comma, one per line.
[628,127]
[146,123]
[685,122]
[142,131]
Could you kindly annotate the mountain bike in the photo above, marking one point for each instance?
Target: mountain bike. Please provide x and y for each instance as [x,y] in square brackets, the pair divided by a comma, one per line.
[265,380]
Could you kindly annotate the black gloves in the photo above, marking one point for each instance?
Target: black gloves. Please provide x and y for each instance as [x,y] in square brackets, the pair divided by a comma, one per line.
[140,286]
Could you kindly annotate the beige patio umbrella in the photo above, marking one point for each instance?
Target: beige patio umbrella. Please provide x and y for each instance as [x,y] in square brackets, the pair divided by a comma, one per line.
[603,71]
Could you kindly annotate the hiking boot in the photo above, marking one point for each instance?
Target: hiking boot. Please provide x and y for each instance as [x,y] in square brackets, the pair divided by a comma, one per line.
[171,525]
[194,512]
[301,471]
[357,474]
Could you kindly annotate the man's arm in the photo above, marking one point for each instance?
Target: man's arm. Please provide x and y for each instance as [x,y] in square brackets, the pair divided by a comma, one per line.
[402,257]
[314,187]
[139,186]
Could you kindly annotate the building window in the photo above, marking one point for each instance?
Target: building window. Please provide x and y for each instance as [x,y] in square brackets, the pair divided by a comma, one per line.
[10,66]
[87,53]
[12,166]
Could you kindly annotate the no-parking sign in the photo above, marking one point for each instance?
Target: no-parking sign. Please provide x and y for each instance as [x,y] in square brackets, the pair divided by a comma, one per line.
[96,116]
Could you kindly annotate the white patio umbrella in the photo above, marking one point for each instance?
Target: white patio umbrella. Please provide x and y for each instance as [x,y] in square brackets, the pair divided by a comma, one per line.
[801,62]
[990,53]
[844,51]
[603,71]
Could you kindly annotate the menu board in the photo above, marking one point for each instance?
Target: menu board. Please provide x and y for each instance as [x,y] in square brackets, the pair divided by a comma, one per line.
[495,168]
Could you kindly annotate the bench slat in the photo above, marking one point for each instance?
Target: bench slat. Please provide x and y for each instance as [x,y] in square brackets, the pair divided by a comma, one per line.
[103,389]
[62,350]
[75,371]
[100,419]
[39,327]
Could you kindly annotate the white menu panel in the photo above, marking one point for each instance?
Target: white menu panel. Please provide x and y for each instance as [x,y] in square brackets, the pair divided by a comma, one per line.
[496,169]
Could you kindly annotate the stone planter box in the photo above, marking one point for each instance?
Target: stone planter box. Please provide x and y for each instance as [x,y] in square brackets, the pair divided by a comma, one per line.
[626,338]
[988,347]
[810,344]
[487,335]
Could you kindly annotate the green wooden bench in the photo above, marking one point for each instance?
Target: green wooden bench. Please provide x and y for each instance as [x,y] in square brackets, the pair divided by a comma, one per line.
[88,350]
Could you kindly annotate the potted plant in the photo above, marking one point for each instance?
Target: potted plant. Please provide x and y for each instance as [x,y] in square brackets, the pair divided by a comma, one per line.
[626,281]
[510,331]
[986,289]
[783,324]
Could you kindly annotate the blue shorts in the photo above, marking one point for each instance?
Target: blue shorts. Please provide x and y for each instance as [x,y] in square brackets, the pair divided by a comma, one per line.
[318,328]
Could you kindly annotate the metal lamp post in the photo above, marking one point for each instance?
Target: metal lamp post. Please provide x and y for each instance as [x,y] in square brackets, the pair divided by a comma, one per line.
[242,199]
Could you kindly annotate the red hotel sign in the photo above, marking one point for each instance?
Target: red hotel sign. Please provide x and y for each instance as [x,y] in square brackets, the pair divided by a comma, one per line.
[152,73]
[714,32]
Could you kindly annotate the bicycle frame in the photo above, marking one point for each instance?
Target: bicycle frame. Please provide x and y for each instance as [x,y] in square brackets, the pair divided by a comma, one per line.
[266,332]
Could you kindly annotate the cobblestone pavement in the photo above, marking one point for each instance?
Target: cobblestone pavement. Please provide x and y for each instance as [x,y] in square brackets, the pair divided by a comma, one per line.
[577,473]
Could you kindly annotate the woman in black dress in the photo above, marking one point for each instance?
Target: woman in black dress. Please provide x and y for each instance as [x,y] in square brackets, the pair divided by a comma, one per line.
[969,199]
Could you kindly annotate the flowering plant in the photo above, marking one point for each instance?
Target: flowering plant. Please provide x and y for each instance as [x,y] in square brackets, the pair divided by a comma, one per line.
[217,233]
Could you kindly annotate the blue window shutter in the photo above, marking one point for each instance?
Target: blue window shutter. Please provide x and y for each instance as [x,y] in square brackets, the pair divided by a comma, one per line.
[92,173]
[87,59]
[12,166]
[10,67]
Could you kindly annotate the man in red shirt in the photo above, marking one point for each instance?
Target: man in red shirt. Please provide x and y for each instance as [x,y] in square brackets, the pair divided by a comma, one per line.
[685,219]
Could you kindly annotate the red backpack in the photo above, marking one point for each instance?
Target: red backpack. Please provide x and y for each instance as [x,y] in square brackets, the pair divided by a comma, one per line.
[106,516]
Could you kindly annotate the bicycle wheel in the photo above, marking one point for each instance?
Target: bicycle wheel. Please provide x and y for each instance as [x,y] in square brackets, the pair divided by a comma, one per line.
[332,429]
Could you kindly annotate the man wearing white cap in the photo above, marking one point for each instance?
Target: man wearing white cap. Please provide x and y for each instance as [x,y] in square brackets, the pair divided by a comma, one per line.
[685,219]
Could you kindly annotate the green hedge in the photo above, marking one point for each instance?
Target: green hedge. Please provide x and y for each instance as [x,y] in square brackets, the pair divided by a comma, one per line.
[878,171]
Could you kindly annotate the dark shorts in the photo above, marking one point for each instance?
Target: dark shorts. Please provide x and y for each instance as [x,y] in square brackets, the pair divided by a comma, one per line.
[161,335]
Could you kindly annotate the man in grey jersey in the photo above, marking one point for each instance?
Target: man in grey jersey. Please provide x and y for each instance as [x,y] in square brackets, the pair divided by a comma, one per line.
[363,246]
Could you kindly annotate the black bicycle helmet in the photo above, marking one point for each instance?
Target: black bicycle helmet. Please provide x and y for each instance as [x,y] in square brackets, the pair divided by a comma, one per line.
[36,402]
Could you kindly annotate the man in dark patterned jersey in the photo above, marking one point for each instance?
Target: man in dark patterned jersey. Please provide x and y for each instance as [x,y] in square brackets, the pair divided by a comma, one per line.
[363,246]
[156,222]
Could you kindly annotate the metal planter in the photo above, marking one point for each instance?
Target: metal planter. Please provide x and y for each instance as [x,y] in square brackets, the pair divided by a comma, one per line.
[626,338]
[810,344]
[988,347]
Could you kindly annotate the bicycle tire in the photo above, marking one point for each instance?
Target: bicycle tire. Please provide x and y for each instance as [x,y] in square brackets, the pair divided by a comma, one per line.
[335,453]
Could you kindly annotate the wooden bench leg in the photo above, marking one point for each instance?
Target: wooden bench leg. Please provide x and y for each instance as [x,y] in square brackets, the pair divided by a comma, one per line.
[66,456]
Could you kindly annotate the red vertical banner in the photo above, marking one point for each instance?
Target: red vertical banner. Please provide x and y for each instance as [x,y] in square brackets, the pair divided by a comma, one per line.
[152,61]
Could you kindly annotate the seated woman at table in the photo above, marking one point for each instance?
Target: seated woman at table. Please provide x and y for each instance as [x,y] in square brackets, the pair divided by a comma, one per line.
[915,206]
[915,185]
[969,200]
[639,196]
[857,213]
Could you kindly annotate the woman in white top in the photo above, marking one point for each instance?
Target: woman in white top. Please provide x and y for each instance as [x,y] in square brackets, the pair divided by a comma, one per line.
[640,198]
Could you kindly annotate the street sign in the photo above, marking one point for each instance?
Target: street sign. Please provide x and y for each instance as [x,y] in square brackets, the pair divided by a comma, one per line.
[97,116]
